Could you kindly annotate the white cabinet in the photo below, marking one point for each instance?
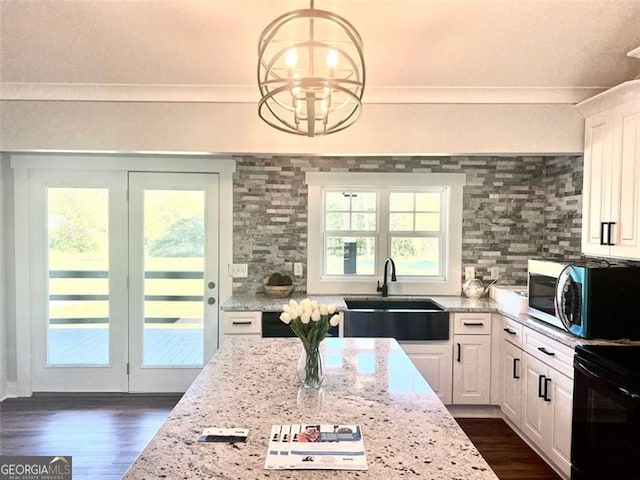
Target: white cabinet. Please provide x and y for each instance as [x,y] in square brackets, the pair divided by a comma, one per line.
[433,360]
[547,398]
[611,186]
[511,394]
[472,359]
[242,323]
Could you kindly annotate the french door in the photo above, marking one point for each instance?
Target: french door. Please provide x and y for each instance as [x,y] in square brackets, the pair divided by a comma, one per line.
[124,279]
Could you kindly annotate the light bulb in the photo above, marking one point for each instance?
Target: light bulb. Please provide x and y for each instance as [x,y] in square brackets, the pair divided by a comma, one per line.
[291,57]
[332,58]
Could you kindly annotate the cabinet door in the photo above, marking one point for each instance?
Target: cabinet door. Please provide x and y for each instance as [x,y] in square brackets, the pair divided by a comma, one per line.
[533,423]
[512,382]
[434,362]
[558,445]
[596,190]
[625,202]
[472,369]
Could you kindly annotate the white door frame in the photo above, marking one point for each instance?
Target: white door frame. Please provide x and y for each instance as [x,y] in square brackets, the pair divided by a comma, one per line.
[22,164]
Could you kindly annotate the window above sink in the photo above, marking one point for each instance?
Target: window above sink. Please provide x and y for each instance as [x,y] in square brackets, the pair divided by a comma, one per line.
[357,220]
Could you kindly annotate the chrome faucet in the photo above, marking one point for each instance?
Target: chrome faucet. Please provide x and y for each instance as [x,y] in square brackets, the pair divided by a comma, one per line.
[384,288]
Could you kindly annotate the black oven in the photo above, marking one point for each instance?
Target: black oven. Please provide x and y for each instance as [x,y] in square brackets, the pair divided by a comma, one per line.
[606,413]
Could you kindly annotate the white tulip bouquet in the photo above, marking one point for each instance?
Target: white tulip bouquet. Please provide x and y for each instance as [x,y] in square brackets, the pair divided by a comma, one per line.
[310,321]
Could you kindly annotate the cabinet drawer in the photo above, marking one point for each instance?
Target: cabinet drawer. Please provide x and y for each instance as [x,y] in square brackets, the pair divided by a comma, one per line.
[242,323]
[512,331]
[472,323]
[549,351]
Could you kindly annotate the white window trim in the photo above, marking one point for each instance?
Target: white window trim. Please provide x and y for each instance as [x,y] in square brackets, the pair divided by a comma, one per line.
[450,285]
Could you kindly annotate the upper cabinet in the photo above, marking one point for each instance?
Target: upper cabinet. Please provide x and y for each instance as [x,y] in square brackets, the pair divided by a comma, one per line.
[611,188]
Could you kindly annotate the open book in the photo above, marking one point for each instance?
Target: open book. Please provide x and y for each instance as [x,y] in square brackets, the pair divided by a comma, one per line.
[316,446]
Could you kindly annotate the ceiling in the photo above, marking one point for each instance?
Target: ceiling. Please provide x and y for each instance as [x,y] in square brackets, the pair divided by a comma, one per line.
[414,49]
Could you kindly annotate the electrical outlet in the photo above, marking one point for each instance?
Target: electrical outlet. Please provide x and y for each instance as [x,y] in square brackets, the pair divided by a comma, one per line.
[495,273]
[469,273]
[239,270]
[297,269]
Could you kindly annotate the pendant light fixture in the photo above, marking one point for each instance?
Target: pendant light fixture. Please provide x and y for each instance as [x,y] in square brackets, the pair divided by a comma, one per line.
[311,73]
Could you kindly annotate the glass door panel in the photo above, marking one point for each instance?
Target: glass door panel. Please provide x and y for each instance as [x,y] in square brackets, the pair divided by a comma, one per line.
[78,266]
[173,278]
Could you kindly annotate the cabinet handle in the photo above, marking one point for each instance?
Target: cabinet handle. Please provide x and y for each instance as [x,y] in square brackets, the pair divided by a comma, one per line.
[546,389]
[515,369]
[473,324]
[509,331]
[609,233]
[541,382]
[459,352]
[602,224]
[244,322]
[546,352]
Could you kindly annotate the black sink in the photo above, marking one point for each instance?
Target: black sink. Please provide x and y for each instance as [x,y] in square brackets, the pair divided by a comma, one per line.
[401,319]
[381,304]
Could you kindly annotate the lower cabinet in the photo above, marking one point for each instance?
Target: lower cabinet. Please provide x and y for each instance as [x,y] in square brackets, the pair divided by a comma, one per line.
[512,382]
[547,398]
[433,361]
[471,369]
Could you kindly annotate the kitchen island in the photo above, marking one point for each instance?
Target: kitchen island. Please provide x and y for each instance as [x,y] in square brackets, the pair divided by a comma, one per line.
[252,383]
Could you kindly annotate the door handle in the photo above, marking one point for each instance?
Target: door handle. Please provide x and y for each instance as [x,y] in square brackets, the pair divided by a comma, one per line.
[515,368]
[609,233]
[245,322]
[546,352]
[509,331]
[459,352]
[541,382]
[546,389]
[211,300]
[473,324]
[602,224]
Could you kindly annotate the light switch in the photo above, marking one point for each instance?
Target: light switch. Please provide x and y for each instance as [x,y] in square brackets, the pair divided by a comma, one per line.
[239,270]
[495,273]
[469,273]
[297,269]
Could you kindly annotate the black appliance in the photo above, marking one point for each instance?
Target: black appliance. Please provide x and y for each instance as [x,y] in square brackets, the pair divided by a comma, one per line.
[606,413]
[591,300]
[272,326]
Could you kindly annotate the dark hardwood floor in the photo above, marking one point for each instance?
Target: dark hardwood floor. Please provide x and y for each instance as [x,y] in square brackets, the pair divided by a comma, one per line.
[509,456]
[105,433]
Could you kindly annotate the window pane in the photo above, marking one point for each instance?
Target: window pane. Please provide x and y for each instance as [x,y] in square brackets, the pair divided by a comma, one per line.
[363,201]
[363,221]
[350,256]
[336,201]
[428,222]
[416,255]
[78,262]
[337,221]
[401,222]
[174,272]
[428,202]
[402,202]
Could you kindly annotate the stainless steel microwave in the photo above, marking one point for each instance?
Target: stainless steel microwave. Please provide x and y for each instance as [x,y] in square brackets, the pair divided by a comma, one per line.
[590,300]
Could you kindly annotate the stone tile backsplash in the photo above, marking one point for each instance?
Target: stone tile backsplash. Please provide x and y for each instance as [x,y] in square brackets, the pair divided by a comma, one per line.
[515,208]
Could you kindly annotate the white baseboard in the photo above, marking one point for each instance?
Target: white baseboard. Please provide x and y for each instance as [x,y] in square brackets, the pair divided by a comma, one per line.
[475,411]
[10,391]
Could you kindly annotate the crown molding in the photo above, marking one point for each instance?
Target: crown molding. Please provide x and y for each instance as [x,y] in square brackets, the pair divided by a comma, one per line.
[618,95]
[89,92]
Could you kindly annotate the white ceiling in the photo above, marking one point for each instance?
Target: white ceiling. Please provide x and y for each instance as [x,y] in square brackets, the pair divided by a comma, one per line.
[411,46]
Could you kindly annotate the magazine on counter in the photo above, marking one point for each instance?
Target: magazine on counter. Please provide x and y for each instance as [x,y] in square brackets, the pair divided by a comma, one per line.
[316,446]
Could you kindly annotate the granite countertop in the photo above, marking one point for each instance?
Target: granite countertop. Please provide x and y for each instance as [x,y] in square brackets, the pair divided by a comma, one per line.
[252,383]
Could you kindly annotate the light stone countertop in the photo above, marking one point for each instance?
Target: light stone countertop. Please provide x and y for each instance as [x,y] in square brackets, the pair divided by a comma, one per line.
[451,304]
[252,383]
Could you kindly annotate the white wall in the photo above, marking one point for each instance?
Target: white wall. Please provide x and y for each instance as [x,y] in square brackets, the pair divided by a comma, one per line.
[390,129]
[3,279]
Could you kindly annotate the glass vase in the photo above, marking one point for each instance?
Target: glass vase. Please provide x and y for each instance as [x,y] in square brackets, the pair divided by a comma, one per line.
[310,371]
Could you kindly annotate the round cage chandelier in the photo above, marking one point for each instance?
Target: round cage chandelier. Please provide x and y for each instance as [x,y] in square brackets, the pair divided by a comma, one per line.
[311,73]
